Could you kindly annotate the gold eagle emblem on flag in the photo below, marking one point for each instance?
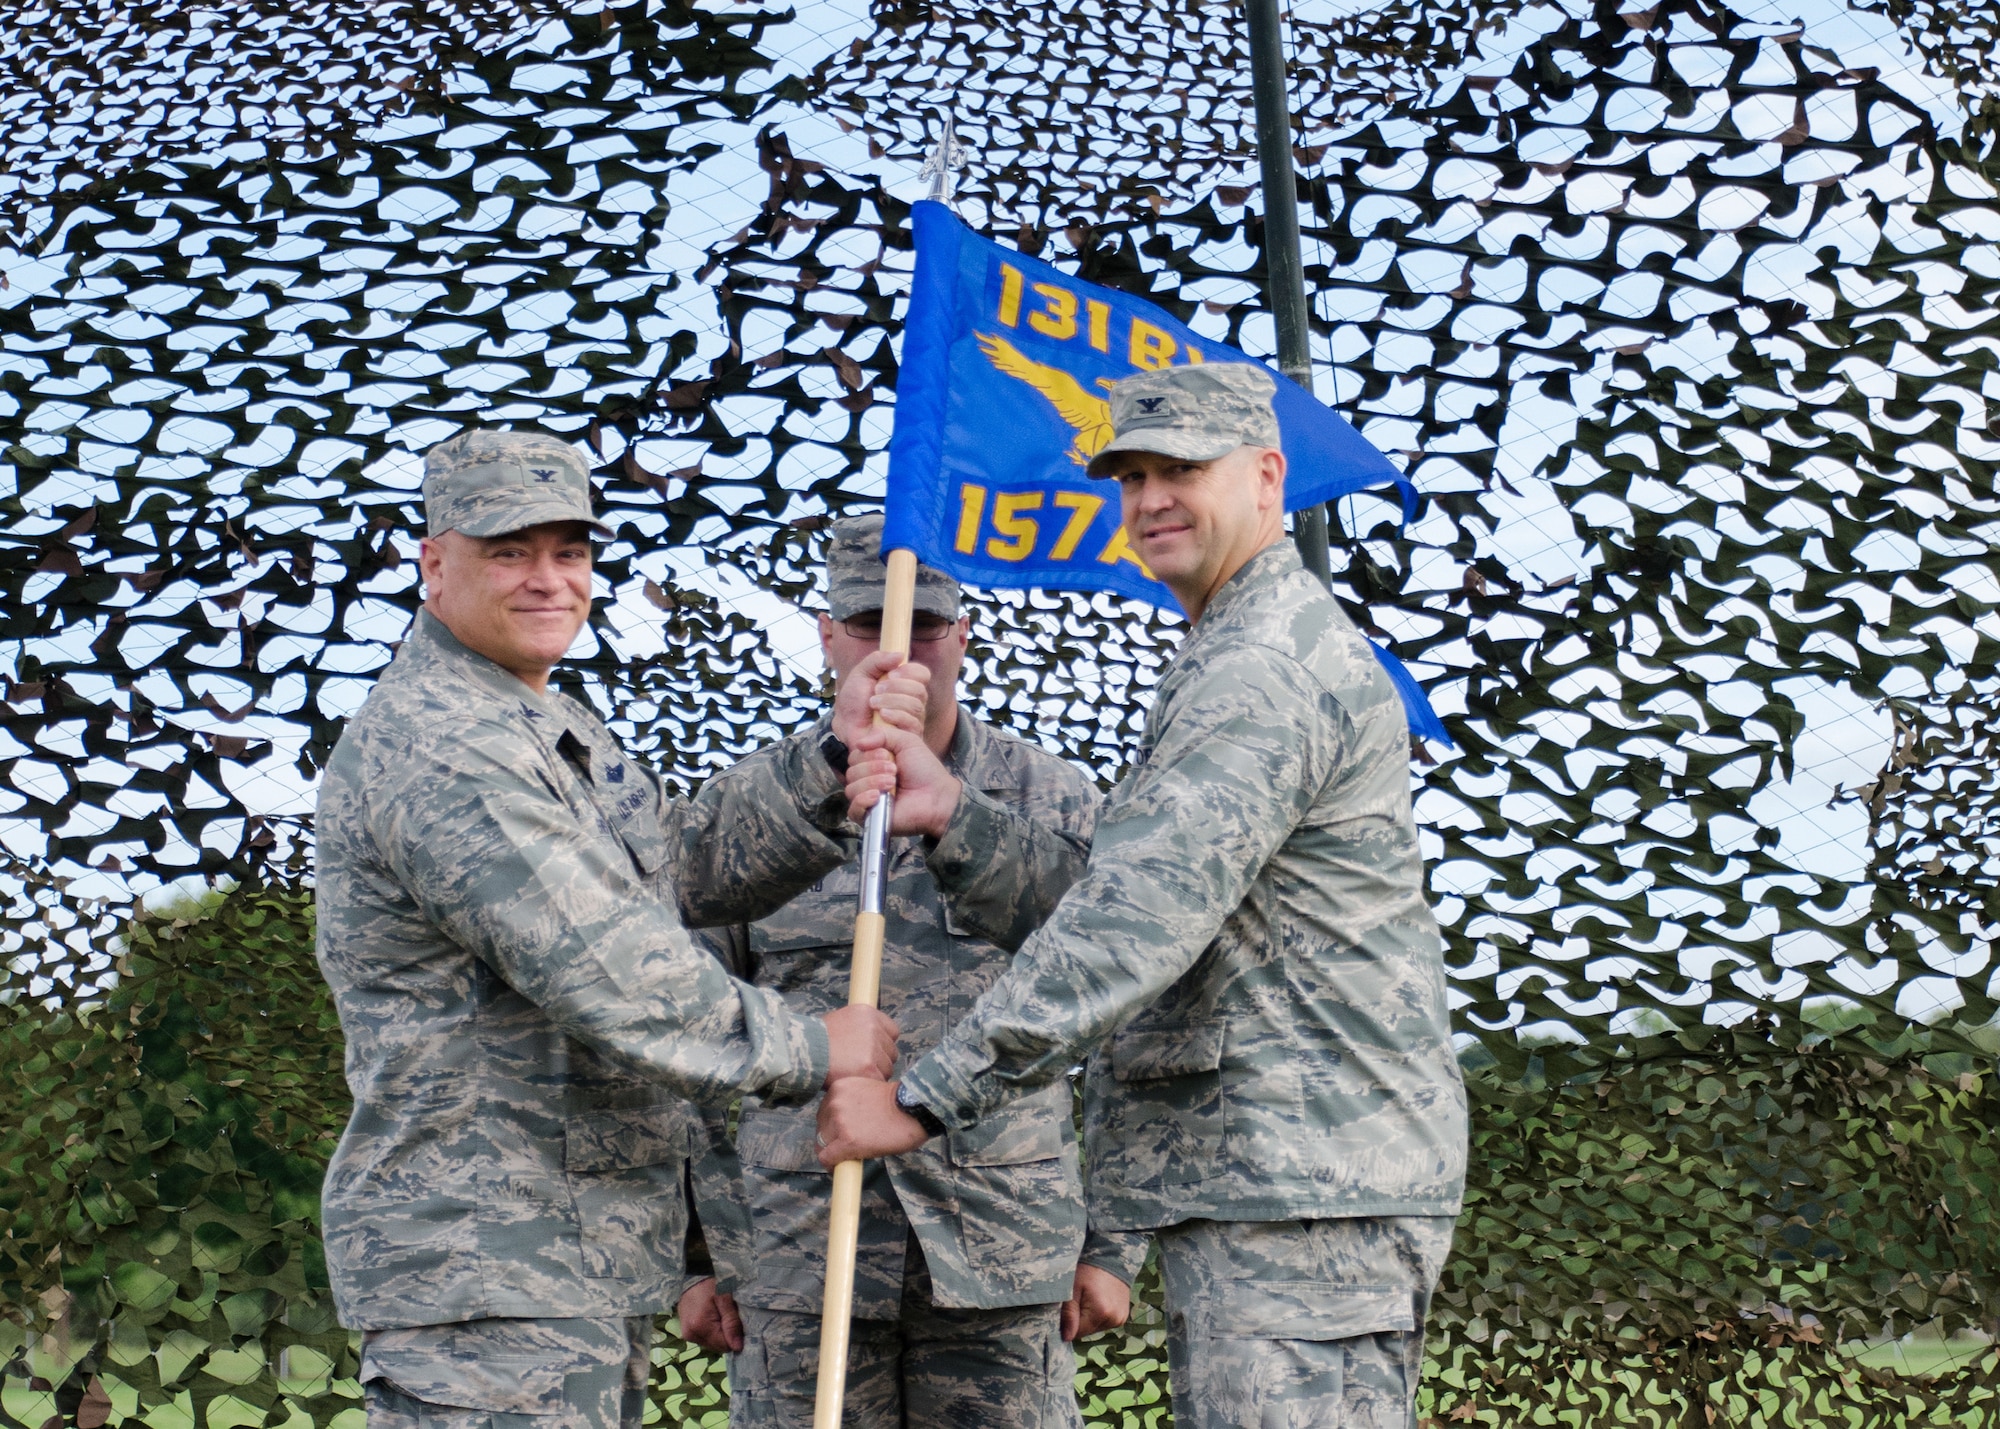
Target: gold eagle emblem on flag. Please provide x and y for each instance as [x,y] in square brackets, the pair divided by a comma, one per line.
[1090,415]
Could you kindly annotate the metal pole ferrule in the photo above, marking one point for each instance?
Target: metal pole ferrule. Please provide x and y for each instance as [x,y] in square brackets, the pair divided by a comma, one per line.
[875,856]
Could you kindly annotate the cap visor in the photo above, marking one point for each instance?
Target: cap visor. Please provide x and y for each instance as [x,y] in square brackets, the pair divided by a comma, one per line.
[1181,446]
[924,603]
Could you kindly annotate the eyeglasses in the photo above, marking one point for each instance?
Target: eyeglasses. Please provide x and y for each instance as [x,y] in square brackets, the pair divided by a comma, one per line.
[923,628]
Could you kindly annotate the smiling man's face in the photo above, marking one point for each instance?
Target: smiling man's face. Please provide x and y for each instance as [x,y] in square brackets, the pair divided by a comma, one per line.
[518,599]
[1194,524]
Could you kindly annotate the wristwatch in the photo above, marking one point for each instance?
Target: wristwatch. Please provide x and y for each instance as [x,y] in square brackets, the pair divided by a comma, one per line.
[926,1118]
[834,752]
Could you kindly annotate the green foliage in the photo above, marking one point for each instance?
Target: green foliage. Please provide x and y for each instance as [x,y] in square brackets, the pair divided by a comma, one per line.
[1716,1234]
[161,1149]
[1670,1238]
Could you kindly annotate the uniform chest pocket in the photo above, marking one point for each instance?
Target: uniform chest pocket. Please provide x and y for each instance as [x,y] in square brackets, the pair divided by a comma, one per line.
[1028,1131]
[624,795]
[647,845]
[615,1140]
[780,1140]
[1148,1054]
[624,1172]
[803,950]
[634,810]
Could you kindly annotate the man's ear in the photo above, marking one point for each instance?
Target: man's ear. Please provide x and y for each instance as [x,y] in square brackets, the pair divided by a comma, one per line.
[1271,474]
[828,686]
[430,562]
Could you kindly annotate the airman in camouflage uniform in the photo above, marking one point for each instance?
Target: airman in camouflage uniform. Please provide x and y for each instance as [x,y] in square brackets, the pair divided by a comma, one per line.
[502,893]
[1277,1095]
[970,1243]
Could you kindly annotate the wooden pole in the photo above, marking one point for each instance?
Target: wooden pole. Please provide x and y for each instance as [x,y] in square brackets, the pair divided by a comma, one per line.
[864,987]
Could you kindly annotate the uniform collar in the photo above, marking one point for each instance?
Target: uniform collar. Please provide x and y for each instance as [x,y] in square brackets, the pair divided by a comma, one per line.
[1261,572]
[430,645]
[977,757]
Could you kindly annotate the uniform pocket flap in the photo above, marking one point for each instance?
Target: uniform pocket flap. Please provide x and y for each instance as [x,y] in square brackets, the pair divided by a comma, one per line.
[1144,1054]
[639,825]
[647,845]
[795,940]
[780,1140]
[497,1366]
[488,1384]
[648,848]
[807,920]
[1012,1136]
[1306,1310]
[805,923]
[635,1136]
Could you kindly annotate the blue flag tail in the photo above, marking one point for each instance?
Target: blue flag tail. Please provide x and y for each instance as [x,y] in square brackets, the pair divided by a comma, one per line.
[1001,402]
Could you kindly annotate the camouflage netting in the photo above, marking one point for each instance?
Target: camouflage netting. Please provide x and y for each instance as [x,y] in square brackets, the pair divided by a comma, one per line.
[1675,1238]
[1684,326]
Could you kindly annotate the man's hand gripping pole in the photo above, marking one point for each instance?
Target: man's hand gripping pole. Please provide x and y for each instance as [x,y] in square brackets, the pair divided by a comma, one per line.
[864,986]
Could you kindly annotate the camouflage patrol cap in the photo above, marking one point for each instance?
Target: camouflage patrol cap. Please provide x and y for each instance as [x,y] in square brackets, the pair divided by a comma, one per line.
[855,575]
[1195,413]
[487,483]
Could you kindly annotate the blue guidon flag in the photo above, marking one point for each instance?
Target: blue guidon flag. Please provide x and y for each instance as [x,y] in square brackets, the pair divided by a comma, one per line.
[1001,402]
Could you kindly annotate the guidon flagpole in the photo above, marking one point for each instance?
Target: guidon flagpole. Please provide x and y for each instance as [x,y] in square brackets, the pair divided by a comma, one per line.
[864,978]
[864,988]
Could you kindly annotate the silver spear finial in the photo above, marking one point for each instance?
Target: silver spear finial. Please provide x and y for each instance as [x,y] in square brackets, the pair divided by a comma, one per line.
[945,156]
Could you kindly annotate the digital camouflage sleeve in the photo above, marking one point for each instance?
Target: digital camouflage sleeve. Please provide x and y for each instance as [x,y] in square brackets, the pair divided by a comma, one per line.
[1250,939]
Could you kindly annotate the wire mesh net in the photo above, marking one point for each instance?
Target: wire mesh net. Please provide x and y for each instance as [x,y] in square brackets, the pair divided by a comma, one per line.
[1683,324]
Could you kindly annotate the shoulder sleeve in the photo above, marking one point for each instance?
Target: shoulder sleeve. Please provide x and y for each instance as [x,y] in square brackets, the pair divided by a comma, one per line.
[492,853]
[1241,749]
[1001,868]
[759,833]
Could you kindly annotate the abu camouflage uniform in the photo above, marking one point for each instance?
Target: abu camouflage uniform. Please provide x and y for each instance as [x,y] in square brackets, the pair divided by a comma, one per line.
[501,900]
[552,1374]
[968,1245]
[1252,941]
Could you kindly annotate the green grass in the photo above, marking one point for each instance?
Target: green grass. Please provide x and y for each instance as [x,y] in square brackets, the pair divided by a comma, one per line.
[1922,1354]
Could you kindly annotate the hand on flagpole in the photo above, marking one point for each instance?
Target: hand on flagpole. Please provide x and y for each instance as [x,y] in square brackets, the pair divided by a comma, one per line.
[879,715]
[861,1044]
[860,1121]
[884,685]
[892,760]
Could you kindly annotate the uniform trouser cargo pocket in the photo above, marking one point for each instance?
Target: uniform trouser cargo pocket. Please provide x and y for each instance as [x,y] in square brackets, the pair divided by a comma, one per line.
[509,1374]
[1298,1324]
[970,1369]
